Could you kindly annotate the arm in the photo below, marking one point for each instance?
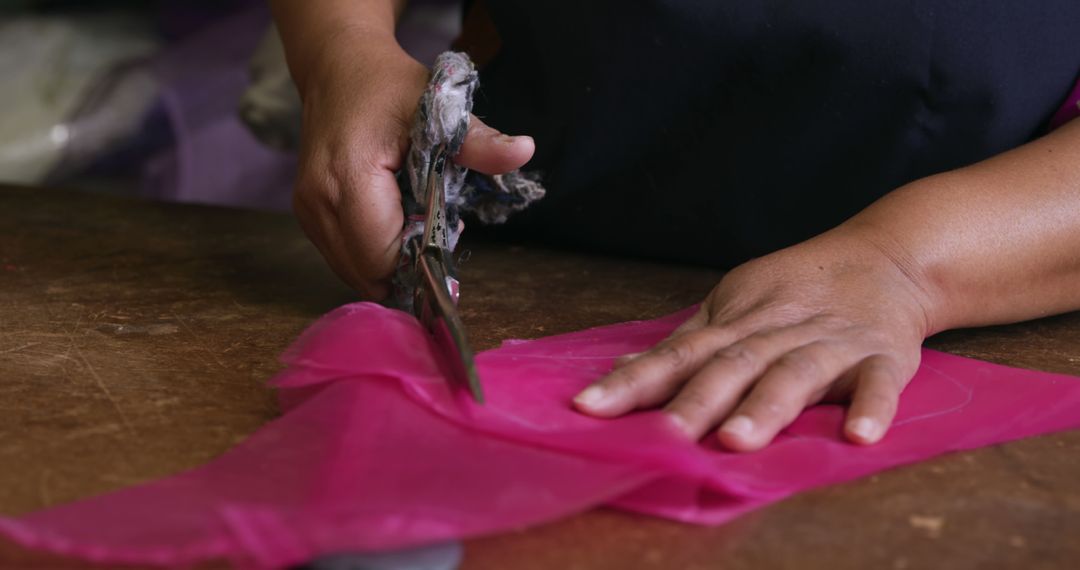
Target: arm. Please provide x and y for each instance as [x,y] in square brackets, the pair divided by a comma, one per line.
[360,91]
[995,242]
[842,316]
[309,33]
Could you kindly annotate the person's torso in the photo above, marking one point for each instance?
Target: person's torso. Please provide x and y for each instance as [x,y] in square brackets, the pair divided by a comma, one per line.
[715,131]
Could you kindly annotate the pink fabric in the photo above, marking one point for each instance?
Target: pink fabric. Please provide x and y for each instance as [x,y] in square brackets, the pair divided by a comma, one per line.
[1069,110]
[374,451]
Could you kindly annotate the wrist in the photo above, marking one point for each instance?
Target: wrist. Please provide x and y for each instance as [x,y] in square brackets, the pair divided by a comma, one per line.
[875,249]
[343,51]
[366,76]
[920,229]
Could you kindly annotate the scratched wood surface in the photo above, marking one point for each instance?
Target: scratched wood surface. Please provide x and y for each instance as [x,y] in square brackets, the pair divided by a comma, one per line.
[135,339]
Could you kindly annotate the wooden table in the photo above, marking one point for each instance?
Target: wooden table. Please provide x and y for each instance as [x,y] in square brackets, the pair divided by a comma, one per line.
[135,339]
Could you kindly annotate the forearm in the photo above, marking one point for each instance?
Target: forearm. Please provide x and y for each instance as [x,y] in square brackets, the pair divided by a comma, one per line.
[311,29]
[995,242]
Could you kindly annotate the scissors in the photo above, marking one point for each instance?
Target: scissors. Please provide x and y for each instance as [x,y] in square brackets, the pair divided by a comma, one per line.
[425,283]
[436,295]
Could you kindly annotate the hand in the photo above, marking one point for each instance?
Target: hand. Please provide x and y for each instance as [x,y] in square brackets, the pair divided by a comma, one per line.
[837,317]
[359,102]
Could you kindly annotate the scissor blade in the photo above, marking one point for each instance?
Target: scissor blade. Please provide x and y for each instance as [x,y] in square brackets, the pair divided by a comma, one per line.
[441,318]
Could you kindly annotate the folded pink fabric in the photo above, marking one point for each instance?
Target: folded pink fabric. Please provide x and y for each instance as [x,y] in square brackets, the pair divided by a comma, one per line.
[375,451]
[1069,110]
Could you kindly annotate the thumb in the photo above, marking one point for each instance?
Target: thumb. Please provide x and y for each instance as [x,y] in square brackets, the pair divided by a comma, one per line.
[488,151]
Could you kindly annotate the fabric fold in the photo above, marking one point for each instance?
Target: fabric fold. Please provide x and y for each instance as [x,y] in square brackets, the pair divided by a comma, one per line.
[375,451]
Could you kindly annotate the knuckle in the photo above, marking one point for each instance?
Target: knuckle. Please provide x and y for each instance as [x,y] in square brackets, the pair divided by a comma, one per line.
[693,402]
[674,354]
[626,379]
[765,412]
[313,192]
[879,369]
[831,322]
[883,369]
[331,170]
[767,400]
[741,356]
[342,172]
[870,337]
[880,400]
[800,364]
[781,404]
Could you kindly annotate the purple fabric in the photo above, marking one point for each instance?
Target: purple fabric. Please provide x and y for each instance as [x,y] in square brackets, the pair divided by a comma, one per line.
[1069,110]
[216,160]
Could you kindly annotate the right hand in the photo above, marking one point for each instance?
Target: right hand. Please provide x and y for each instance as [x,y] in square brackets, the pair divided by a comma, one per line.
[359,101]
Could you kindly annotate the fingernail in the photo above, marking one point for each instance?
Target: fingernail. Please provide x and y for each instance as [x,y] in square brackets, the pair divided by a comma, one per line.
[740,426]
[865,428]
[590,397]
[512,140]
[626,358]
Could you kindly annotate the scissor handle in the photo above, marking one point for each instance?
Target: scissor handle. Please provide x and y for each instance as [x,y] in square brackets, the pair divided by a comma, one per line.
[436,234]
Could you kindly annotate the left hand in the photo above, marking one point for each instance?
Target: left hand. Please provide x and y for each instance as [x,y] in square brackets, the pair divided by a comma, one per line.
[839,317]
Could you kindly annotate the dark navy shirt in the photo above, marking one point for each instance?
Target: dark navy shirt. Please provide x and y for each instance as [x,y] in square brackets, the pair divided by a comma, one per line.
[713,131]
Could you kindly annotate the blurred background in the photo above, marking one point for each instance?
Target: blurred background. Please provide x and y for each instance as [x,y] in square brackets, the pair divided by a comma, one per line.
[186,101]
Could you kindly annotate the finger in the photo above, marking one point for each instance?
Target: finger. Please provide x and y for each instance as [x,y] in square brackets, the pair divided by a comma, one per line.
[489,151]
[699,319]
[370,219]
[320,225]
[878,382]
[626,359]
[797,379]
[654,376]
[716,389]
